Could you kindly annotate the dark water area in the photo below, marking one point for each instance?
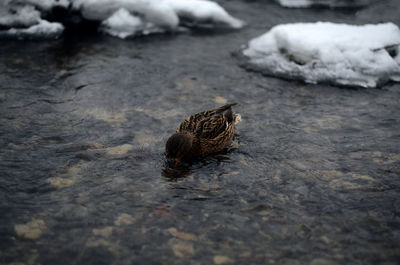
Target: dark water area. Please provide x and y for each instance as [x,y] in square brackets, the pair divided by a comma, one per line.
[312,178]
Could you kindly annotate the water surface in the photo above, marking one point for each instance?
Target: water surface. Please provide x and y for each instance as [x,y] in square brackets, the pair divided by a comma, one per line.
[312,177]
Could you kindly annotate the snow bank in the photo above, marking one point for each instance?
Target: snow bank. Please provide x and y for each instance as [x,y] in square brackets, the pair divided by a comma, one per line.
[342,54]
[120,18]
[326,3]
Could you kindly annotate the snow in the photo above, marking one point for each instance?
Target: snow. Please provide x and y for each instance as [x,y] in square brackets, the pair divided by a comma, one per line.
[153,11]
[21,19]
[365,56]
[120,18]
[204,11]
[295,3]
[25,16]
[161,14]
[43,29]
[45,5]
[326,3]
[123,24]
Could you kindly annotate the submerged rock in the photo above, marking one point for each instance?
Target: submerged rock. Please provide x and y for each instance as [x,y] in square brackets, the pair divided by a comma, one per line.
[182,235]
[182,249]
[31,230]
[120,149]
[220,100]
[365,56]
[104,232]
[124,219]
[222,260]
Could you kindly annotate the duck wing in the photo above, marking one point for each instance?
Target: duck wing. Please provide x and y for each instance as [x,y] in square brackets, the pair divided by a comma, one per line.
[212,127]
[208,124]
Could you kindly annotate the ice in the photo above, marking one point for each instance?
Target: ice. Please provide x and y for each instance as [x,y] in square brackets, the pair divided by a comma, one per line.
[365,56]
[327,3]
[120,18]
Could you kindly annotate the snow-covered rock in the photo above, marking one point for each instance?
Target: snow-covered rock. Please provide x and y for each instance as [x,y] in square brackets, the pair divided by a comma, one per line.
[120,18]
[324,3]
[152,11]
[49,4]
[45,5]
[123,24]
[155,15]
[24,16]
[341,54]
[202,11]
[43,29]
[20,21]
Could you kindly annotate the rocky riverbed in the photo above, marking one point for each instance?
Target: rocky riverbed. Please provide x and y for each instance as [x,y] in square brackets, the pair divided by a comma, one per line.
[312,177]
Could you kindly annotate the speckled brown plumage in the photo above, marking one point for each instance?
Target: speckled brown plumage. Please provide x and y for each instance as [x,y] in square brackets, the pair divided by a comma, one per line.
[203,133]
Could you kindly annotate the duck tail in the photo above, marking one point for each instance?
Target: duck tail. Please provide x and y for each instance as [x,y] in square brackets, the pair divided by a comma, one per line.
[227,106]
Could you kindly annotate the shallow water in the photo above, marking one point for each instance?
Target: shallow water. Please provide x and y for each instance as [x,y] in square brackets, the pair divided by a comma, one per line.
[313,176]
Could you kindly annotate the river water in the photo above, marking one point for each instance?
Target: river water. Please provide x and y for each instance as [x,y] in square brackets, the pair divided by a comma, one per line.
[312,177]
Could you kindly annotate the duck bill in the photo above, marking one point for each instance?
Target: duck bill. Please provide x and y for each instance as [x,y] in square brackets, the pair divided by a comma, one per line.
[173,162]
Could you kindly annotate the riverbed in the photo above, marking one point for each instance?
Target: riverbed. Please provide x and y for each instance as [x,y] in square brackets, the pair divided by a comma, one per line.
[311,178]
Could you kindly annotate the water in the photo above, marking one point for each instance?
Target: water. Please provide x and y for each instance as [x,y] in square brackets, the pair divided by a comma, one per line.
[313,176]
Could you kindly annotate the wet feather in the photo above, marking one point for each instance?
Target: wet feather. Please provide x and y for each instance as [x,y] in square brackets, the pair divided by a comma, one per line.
[208,132]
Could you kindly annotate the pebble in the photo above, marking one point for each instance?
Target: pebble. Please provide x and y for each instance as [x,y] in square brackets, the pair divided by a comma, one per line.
[326,240]
[31,230]
[124,219]
[60,182]
[331,174]
[158,114]
[68,178]
[182,235]
[220,100]
[339,184]
[119,150]
[222,260]
[320,261]
[104,232]
[107,116]
[182,249]
[145,139]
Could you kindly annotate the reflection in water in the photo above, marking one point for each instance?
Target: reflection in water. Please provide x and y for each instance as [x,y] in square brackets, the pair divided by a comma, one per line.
[175,173]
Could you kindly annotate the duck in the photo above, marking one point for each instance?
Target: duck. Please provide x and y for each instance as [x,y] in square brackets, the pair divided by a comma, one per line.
[203,134]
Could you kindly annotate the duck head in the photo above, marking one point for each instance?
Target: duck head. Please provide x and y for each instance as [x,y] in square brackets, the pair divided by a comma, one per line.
[178,146]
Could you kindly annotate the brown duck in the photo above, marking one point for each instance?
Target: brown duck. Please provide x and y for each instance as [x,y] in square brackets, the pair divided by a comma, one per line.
[202,134]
